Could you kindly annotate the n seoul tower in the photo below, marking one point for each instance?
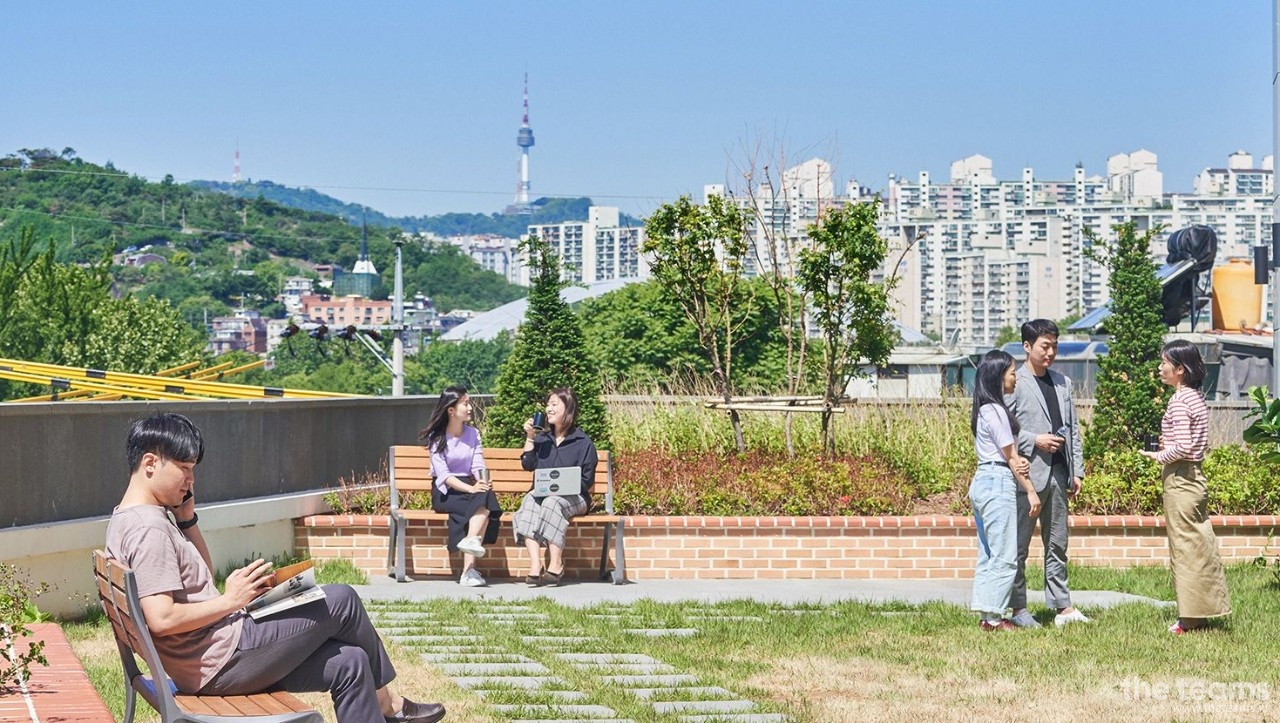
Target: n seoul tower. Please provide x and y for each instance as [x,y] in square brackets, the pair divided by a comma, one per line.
[524,139]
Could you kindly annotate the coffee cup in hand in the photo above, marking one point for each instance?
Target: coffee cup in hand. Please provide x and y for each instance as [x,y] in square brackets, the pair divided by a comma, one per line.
[539,421]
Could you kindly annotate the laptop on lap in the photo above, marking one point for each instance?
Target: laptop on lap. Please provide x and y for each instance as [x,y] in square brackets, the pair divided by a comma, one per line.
[561,481]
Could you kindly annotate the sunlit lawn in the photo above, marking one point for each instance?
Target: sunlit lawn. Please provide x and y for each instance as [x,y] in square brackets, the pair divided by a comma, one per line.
[857,662]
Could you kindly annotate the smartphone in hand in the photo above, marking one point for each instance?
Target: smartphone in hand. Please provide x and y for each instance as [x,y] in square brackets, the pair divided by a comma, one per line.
[185,497]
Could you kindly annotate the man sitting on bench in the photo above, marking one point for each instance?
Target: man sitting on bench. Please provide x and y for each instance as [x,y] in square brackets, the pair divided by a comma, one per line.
[208,644]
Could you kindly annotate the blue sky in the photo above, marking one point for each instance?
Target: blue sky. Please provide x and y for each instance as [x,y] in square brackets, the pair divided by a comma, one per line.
[413,108]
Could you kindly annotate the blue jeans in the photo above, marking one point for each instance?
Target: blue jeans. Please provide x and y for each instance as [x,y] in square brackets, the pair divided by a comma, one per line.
[993,495]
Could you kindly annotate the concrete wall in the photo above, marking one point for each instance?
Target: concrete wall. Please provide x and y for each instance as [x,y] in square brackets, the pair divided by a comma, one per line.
[65,461]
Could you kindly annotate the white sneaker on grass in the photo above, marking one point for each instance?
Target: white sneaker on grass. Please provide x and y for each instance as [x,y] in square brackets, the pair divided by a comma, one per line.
[472,546]
[1075,616]
[472,578]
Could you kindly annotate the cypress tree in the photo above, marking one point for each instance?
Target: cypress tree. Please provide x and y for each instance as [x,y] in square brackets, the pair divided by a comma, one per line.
[1130,398]
[550,351]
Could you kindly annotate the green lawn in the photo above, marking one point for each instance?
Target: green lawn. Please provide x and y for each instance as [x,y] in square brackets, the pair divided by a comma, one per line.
[854,662]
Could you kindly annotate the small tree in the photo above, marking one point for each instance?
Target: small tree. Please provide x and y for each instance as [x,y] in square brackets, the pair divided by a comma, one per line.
[697,254]
[1130,399]
[549,352]
[850,309]
[16,610]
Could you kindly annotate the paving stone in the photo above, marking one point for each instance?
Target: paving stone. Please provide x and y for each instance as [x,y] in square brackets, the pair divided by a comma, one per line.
[704,692]
[566,696]
[580,711]
[414,632]
[574,720]
[527,682]
[467,649]
[508,608]
[426,617]
[554,639]
[729,618]
[438,639]
[739,718]
[607,658]
[634,668]
[649,681]
[493,669]
[511,616]
[475,658]
[663,632]
[610,618]
[714,707]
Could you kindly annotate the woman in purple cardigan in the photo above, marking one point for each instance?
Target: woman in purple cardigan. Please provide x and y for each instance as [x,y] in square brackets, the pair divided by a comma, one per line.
[462,488]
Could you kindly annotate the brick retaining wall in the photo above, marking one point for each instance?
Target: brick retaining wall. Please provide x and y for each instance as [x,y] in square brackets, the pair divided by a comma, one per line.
[932,547]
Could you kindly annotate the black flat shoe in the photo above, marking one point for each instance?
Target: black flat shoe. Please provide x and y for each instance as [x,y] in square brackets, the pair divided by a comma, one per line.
[553,578]
[533,580]
[417,713]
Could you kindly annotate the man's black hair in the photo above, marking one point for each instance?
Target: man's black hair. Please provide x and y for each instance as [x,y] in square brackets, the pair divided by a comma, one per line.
[171,436]
[1037,328]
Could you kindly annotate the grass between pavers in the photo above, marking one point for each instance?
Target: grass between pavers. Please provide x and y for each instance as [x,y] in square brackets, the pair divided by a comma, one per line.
[855,662]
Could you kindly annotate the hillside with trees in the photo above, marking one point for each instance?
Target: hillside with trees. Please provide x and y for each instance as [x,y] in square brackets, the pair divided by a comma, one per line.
[216,252]
[545,210]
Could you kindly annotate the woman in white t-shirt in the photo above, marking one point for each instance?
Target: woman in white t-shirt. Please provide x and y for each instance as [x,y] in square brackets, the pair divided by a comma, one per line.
[993,492]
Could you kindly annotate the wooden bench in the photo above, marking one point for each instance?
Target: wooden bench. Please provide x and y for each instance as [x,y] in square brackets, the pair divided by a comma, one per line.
[410,471]
[118,591]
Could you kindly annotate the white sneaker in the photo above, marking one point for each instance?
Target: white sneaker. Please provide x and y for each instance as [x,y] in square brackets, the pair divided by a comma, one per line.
[472,546]
[472,578]
[1075,616]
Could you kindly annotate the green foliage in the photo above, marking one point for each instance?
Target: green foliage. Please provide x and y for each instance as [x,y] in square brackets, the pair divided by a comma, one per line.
[1264,431]
[472,363]
[1130,398]
[1121,482]
[1242,481]
[226,252]
[697,254]
[644,341]
[549,352]
[59,313]
[849,309]
[545,210]
[17,610]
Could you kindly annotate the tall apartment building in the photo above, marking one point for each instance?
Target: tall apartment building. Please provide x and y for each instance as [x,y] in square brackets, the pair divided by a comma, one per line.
[975,254]
[598,249]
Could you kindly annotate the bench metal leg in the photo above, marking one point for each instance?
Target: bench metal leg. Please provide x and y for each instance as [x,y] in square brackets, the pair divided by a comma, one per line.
[398,524]
[391,545]
[619,554]
[619,573]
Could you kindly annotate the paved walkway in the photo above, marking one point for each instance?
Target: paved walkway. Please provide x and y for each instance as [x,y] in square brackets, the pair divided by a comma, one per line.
[788,592]
[60,692]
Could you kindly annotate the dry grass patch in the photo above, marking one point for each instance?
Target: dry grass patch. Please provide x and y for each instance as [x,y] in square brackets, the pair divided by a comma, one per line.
[827,689]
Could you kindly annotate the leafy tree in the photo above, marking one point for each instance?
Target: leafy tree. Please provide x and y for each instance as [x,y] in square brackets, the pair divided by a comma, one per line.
[472,363]
[697,254]
[1130,398]
[644,341]
[549,352]
[850,310]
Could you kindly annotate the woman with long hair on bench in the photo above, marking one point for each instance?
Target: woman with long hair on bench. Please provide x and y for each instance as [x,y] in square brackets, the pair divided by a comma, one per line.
[542,521]
[462,488]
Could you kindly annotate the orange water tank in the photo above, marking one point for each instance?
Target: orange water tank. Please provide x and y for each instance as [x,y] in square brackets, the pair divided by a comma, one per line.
[1237,301]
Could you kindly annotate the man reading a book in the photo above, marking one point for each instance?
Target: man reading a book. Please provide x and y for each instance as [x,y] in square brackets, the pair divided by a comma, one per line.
[209,645]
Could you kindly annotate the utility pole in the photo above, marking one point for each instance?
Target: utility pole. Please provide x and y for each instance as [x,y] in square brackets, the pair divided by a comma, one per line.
[397,321]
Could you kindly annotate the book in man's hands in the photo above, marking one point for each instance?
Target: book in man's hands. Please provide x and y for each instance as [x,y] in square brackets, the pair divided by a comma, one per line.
[291,586]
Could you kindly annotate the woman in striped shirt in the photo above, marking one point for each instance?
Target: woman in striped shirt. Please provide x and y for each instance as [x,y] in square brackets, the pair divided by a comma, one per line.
[1198,580]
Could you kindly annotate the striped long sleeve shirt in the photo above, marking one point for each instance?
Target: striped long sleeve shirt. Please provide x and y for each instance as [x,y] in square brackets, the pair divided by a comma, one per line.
[1185,427]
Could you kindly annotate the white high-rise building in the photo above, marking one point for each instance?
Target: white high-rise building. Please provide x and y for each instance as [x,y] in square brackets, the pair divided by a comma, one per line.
[598,249]
[976,254]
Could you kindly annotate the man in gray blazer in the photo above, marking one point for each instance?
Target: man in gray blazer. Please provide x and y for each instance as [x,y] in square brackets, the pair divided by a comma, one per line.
[1049,436]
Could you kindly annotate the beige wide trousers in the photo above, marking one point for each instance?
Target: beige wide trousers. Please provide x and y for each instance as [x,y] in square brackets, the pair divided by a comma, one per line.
[1198,580]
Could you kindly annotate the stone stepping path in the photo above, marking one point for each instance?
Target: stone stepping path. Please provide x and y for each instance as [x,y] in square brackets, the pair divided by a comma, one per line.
[521,687]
